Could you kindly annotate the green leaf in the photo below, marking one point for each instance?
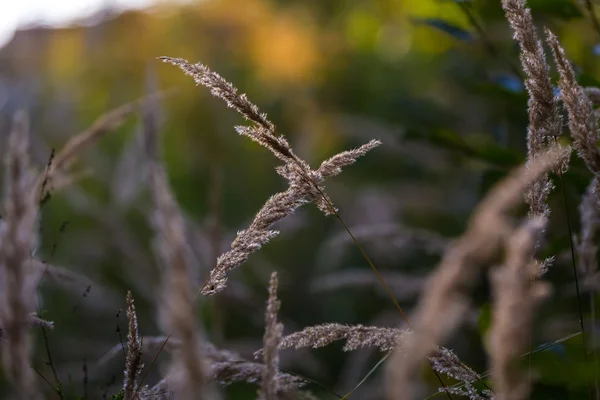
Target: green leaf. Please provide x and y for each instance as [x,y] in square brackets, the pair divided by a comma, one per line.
[451,29]
[489,178]
[480,147]
[565,9]
[118,396]
[485,318]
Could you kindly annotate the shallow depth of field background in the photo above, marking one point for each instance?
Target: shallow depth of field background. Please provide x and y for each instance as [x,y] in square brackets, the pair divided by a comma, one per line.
[445,100]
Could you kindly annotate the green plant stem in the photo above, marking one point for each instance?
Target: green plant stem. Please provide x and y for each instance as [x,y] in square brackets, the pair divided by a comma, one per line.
[574,262]
[590,9]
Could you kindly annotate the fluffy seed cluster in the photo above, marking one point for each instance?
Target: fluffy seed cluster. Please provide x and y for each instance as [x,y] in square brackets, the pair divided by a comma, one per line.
[545,122]
[305,184]
[356,336]
[133,361]
[583,122]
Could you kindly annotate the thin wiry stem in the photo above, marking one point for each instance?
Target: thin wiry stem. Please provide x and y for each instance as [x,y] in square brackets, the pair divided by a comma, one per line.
[58,386]
[485,39]
[583,124]
[404,286]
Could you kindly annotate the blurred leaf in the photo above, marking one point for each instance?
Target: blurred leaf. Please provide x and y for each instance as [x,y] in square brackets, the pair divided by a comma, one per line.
[565,9]
[509,82]
[446,27]
[485,318]
[363,29]
[479,147]
[505,88]
[490,178]
[588,80]
[556,348]
[567,365]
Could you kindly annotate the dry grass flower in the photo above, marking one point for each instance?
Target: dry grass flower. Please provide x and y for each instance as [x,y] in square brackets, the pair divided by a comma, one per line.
[18,239]
[356,336]
[304,183]
[593,93]
[403,286]
[133,361]
[587,249]
[262,131]
[50,179]
[515,298]
[188,371]
[271,339]
[447,363]
[226,367]
[36,321]
[445,300]
[545,122]
[583,122]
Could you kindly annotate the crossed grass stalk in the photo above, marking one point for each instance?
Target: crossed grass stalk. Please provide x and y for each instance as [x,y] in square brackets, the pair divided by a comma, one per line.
[545,126]
[305,185]
[303,182]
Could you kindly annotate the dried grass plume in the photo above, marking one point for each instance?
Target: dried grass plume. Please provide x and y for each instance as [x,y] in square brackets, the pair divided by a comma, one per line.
[445,298]
[271,339]
[18,239]
[133,361]
[515,298]
[304,182]
[188,374]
